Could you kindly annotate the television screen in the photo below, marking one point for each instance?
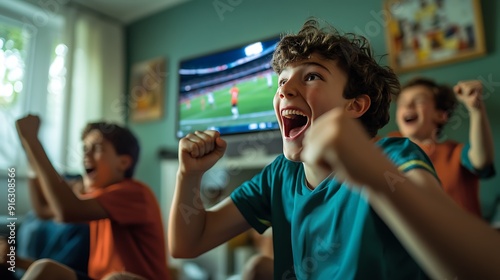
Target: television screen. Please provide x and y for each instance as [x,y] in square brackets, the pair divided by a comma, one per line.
[230,91]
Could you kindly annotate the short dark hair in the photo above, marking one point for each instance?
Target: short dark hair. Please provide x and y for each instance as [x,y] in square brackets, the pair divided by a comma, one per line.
[354,56]
[122,139]
[444,97]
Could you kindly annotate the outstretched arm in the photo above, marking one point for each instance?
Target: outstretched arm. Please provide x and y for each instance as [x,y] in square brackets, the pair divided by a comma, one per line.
[448,242]
[470,93]
[192,229]
[39,203]
[65,205]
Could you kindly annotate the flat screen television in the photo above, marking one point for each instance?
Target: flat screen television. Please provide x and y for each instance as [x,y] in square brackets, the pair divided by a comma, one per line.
[230,91]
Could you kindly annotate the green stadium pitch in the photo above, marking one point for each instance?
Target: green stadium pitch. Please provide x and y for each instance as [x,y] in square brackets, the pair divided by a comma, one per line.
[255,105]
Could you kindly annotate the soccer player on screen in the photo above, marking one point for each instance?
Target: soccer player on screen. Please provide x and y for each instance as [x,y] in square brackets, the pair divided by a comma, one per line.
[211,99]
[234,101]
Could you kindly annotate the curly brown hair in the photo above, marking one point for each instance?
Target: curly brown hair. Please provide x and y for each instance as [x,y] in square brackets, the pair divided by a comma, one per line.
[353,55]
[444,97]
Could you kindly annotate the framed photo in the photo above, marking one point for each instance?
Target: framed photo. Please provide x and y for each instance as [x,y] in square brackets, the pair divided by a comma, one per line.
[426,33]
[147,90]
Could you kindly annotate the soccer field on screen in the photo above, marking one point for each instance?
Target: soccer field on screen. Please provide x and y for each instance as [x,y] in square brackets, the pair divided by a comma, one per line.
[255,104]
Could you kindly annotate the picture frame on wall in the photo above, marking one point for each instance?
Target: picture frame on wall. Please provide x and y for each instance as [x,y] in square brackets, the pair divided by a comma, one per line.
[147,90]
[429,33]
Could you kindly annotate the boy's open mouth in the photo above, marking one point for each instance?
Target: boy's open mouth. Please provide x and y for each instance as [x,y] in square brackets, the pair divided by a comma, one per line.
[90,170]
[294,122]
[409,119]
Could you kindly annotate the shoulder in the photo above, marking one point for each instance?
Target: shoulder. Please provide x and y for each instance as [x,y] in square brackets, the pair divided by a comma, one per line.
[133,183]
[125,189]
[450,148]
[139,186]
[452,144]
[398,145]
[405,154]
[395,143]
[129,183]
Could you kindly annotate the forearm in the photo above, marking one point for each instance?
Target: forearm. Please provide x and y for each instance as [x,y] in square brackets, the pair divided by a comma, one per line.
[481,153]
[447,241]
[444,239]
[55,190]
[38,201]
[187,217]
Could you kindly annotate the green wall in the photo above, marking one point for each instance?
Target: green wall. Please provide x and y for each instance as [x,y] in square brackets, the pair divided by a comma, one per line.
[197,27]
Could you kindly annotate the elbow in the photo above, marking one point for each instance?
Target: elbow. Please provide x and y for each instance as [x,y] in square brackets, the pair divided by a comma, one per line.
[64,217]
[177,254]
[480,163]
[44,214]
[182,252]
[488,160]
[486,163]
[60,218]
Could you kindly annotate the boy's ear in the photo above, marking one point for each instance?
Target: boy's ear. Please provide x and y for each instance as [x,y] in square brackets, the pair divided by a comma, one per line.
[125,162]
[356,107]
[442,116]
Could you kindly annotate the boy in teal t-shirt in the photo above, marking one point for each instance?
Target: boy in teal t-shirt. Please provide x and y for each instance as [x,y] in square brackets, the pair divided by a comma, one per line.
[332,226]
[323,223]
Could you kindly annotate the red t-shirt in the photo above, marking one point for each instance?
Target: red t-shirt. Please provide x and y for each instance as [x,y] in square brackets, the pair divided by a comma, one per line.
[132,238]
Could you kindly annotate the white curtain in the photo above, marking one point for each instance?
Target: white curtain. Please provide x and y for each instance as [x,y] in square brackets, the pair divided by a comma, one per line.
[92,72]
[89,84]
[95,77]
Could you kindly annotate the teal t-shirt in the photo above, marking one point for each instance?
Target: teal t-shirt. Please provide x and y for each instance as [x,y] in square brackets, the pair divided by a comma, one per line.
[330,232]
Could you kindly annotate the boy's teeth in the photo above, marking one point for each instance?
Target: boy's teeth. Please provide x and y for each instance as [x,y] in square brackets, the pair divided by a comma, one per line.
[289,113]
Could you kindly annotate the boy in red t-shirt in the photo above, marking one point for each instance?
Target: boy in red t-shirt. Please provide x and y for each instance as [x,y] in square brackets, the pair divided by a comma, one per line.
[126,232]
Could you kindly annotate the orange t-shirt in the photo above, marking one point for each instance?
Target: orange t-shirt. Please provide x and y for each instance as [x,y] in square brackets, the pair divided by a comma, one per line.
[132,238]
[458,178]
[457,181]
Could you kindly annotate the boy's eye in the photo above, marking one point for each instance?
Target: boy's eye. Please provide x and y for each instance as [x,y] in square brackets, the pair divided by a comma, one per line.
[92,148]
[281,82]
[312,77]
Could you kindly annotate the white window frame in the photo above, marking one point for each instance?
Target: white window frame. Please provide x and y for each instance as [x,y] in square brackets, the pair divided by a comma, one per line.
[44,28]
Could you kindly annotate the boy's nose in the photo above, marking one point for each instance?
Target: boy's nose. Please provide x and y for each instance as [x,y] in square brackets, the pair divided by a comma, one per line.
[287,94]
[410,105]
[288,90]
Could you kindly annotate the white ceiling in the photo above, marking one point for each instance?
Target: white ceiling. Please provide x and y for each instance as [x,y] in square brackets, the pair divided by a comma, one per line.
[128,11]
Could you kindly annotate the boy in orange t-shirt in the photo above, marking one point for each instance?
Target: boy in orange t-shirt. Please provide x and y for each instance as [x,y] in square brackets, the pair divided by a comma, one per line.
[126,232]
[423,108]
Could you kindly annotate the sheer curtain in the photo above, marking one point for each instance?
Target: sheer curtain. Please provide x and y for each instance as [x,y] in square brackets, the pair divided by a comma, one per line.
[72,72]
[25,58]
[95,77]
